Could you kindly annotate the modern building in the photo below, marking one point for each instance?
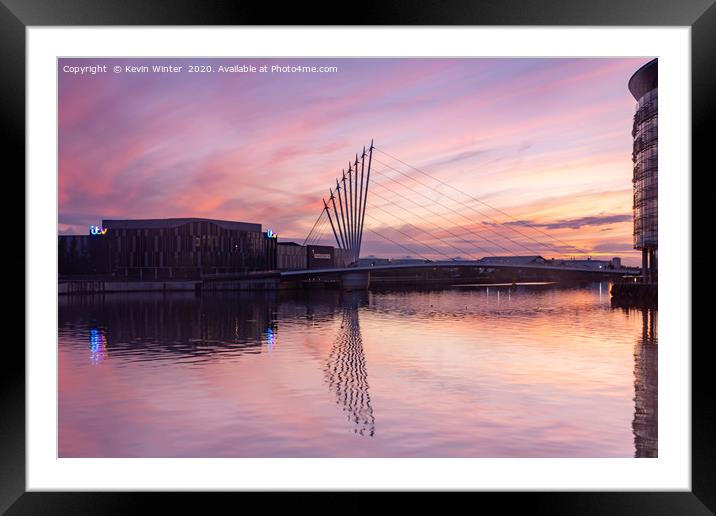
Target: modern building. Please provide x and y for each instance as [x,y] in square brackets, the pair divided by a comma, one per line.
[293,256]
[320,256]
[82,255]
[643,85]
[164,249]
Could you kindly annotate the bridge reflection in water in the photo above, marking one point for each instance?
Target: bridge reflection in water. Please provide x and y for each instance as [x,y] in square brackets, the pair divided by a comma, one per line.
[646,387]
[345,370]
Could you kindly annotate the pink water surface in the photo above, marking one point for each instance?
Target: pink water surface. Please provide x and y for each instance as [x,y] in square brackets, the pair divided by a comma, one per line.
[533,371]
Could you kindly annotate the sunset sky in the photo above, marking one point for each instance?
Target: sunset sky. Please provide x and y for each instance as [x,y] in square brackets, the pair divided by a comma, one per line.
[547,141]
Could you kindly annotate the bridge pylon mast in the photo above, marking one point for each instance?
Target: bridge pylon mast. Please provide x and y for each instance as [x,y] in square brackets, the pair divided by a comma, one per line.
[365,197]
[348,217]
[341,242]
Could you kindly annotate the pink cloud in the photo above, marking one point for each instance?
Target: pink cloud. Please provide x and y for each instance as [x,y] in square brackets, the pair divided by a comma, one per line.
[266,148]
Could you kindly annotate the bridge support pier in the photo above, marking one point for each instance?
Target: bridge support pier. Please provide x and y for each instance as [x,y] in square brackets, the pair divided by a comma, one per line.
[355,281]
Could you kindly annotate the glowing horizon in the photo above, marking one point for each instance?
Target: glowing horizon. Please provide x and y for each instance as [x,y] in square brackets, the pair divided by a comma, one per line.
[546,140]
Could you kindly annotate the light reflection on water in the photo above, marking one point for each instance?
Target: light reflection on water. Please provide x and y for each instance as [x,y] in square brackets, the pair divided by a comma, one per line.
[527,371]
[98,345]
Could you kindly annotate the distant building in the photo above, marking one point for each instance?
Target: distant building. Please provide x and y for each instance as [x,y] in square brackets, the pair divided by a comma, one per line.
[408,261]
[372,261]
[514,260]
[589,263]
[162,249]
[643,85]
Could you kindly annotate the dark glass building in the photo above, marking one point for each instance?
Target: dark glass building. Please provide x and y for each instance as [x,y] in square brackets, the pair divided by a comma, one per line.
[165,249]
[643,85]
[82,255]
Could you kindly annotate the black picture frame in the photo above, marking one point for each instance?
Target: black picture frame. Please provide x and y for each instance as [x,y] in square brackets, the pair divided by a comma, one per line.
[17,15]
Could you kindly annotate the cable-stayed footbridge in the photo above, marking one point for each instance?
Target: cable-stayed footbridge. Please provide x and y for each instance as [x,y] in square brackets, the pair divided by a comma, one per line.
[436,223]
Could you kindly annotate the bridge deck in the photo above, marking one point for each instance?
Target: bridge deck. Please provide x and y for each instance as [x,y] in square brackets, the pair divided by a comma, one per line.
[452,264]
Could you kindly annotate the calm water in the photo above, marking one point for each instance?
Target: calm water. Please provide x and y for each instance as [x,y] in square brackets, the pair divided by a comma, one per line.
[533,371]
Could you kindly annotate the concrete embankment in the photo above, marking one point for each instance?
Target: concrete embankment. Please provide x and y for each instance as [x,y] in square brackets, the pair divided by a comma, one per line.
[266,283]
[101,287]
[107,286]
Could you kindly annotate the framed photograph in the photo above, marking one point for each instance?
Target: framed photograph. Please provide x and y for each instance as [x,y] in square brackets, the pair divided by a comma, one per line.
[418,253]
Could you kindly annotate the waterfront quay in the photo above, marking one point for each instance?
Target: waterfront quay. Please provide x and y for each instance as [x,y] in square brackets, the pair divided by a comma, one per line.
[412,275]
[634,293]
[190,254]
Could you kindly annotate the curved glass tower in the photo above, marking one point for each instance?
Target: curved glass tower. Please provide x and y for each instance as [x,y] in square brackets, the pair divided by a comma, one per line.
[643,85]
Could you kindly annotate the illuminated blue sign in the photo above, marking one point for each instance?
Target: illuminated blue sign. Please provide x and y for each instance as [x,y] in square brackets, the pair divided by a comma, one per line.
[271,234]
[97,230]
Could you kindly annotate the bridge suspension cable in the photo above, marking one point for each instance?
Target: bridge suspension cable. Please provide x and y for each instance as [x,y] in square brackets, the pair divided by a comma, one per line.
[413,214]
[413,239]
[581,251]
[398,244]
[383,186]
[489,228]
[419,229]
[319,232]
[320,217]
